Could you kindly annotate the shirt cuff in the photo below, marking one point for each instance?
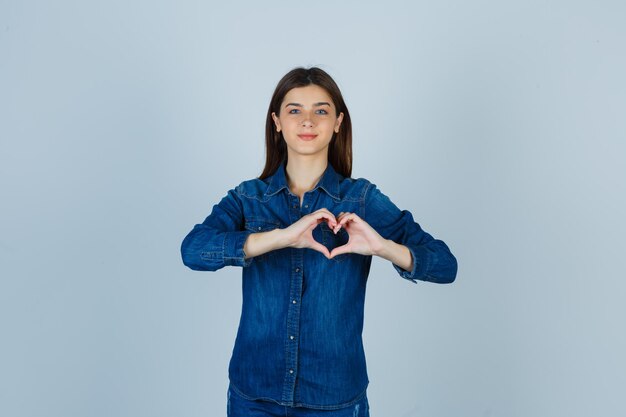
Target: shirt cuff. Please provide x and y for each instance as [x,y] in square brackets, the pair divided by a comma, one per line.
[233,248]
[420,264]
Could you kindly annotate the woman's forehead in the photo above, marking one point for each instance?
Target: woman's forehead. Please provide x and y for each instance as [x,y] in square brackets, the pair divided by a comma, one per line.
[307,95]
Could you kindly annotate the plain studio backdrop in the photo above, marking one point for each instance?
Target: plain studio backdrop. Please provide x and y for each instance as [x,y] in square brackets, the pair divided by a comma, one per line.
[499,125]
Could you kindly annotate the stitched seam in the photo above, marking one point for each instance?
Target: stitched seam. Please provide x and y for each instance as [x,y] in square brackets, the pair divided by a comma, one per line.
[315,406]
[364,196]
[224,247]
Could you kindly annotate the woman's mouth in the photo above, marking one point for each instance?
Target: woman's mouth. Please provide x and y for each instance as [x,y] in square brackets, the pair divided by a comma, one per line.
[307,137]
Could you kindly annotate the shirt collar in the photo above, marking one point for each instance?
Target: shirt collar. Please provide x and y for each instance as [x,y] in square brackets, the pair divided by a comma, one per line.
[329,181]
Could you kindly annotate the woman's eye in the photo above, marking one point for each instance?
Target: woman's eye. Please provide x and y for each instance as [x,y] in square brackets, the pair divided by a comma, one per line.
[296,111]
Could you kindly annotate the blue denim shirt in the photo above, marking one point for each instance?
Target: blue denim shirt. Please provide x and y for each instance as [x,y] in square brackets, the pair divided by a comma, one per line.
[299,339]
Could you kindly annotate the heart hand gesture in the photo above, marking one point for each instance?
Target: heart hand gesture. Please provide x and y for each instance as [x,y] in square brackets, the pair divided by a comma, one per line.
[300,234]
[363,239]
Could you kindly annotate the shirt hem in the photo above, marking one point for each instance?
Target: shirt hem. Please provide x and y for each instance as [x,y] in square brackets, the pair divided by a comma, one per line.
[300,404]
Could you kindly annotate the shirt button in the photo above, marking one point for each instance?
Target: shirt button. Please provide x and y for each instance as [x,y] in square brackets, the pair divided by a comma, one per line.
[259,227]
[294,301]
[291,337]
[297,269]
[291,371]
[306,206]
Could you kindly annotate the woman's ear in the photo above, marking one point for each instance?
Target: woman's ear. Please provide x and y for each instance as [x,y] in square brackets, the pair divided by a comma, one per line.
[338,122]
[276,121]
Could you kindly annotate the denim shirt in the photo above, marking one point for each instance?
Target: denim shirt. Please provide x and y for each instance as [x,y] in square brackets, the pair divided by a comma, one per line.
[299,341]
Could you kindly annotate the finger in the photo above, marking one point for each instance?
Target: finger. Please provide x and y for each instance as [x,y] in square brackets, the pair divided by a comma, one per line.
[331,222]
[325,214]
[340,250]
[320,248]
[339,217]
[348,217]
[335,227]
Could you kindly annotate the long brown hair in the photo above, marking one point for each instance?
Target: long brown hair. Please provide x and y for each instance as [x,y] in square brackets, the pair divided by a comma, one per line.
[340,147]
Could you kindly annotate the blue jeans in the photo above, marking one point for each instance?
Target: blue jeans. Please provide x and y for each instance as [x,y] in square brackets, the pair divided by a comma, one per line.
[238,406]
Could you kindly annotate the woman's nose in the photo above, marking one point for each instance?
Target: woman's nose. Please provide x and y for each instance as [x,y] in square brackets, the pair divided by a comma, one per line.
[307,122]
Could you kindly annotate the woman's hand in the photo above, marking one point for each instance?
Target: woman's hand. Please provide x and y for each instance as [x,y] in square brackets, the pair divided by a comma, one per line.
[363,239]
[300,234]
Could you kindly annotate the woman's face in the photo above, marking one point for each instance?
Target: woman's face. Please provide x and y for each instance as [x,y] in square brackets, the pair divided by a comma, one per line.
[307,120]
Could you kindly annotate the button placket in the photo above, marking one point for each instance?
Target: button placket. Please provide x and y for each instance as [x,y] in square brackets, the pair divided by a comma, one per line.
[293,314]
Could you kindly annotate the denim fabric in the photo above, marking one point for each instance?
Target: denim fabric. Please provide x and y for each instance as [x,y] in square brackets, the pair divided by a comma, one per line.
[239,406]
[299,338]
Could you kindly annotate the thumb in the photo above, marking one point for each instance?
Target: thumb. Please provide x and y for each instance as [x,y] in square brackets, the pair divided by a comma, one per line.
[320,248]
[340,250]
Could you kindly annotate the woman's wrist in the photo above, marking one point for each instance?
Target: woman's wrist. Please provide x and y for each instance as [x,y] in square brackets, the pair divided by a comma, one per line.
[280,239]
[261,242]
[396,253]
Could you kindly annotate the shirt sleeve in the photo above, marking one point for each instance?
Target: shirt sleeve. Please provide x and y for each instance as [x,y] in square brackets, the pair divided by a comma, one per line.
[432,259]
[219,240]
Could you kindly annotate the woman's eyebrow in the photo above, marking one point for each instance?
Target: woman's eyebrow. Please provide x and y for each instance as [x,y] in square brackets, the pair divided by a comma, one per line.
[320,103]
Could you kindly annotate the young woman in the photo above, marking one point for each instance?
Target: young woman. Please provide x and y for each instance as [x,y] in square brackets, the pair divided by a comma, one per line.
[304,233]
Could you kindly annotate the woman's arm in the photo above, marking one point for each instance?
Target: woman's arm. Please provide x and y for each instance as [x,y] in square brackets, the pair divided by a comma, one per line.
[262,242]
[223,240]
[219,240]
[431,259]
[397,254]
[297,235]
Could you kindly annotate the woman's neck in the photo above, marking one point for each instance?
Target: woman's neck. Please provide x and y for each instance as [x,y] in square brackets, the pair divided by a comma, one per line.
[304,174]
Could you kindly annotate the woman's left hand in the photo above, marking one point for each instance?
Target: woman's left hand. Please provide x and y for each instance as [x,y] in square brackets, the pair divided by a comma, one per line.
[363,239]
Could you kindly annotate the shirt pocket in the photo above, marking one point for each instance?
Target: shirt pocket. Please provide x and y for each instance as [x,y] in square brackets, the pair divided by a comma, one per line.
[262,225]
[332,240]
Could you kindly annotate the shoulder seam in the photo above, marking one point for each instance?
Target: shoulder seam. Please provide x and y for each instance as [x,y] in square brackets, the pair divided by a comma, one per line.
[256,196]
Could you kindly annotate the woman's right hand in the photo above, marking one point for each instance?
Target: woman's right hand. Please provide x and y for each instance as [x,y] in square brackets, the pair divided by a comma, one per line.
[300,234]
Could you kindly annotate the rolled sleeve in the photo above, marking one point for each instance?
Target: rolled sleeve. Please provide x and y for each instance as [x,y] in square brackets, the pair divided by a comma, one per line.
[219,240]
[233,248]
[432,259]
[420,264]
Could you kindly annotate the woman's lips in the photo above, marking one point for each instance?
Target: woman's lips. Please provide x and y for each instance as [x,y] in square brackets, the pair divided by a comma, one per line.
[307,137]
